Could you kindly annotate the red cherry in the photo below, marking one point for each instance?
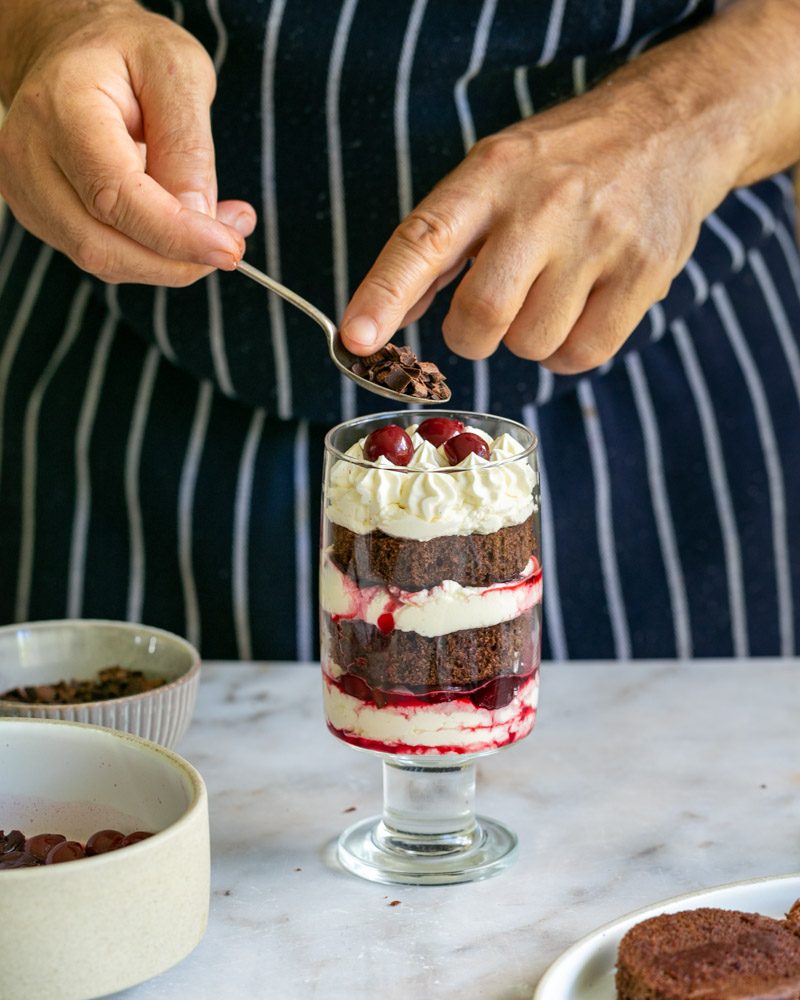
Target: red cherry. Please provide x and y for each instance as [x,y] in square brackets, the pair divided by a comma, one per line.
[437,430]
[390,441]
[385,623]
[458,447]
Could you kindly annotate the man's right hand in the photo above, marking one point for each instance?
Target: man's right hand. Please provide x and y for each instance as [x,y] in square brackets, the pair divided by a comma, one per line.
[106,150]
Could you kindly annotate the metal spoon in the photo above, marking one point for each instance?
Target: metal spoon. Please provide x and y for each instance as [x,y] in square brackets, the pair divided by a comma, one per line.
[340,356]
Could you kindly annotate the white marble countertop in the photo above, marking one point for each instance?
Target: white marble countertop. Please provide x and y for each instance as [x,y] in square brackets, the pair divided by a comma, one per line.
[640,781]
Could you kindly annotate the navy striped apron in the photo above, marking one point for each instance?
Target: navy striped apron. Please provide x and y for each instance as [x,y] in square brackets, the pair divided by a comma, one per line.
[160,450]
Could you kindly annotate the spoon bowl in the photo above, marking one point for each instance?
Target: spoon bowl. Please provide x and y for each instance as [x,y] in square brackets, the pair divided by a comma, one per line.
[341,357]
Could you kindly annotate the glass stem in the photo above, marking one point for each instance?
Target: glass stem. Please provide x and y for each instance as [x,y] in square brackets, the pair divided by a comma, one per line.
[428,809]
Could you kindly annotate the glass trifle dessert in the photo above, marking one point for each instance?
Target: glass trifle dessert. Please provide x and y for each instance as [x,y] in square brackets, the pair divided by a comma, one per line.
[430,595]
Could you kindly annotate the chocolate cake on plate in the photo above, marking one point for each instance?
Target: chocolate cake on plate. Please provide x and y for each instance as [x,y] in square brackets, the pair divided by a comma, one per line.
[711,954]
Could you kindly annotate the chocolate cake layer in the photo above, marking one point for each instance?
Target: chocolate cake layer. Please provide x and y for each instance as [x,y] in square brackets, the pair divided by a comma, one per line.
[709,953]
[471,560]
[458,659]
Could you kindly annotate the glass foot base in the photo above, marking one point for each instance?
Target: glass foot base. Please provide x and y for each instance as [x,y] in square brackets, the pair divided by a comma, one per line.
[374,851]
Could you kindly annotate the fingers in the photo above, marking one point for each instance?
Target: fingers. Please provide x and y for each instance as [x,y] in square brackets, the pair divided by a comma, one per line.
[58,216]
[240,215]
[424,303]
[437,236]
[103,166]
[551,309]
[490,295]
[610,315]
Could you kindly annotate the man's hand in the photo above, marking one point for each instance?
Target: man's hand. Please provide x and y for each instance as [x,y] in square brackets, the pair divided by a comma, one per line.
[106,150]
[576,220]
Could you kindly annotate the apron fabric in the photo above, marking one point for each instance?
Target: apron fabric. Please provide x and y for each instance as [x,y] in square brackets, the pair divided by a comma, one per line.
[160,449]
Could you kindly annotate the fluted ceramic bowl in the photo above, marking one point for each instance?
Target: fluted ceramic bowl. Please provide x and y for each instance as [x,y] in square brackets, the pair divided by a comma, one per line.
[46,652]
[91,927]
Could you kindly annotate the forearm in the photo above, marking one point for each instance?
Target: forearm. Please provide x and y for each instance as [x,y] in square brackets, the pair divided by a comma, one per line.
[732,85]
[27,25]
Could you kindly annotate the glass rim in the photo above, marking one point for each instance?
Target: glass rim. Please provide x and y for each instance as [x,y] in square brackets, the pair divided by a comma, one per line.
[531,448]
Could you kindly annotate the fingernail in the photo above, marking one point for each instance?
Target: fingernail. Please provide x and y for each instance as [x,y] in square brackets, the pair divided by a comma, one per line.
[361,330]
[244,224]
[220,258]
[196,201]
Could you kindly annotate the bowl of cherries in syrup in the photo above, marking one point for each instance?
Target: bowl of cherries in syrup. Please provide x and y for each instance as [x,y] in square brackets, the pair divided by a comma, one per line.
[104,842]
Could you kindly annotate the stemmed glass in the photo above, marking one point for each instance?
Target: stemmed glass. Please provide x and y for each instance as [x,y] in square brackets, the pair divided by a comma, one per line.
[430,597]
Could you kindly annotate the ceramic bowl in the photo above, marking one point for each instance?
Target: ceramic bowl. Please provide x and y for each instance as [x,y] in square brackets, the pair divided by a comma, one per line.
[87,928]
[45,652]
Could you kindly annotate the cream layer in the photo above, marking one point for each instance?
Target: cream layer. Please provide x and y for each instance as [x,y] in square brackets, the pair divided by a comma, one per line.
[447,607]
[429,498]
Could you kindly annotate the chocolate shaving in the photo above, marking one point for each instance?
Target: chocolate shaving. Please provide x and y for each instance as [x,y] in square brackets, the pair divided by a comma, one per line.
[112,682]
[397,368]
[11,841]
[398,378]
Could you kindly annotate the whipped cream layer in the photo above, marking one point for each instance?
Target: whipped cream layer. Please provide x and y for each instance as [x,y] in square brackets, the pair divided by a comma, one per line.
[447,607]
[446,727]
[429,498]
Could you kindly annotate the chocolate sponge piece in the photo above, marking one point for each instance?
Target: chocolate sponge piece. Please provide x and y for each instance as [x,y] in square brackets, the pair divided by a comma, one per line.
[458,659]
[471,560]
[711,954]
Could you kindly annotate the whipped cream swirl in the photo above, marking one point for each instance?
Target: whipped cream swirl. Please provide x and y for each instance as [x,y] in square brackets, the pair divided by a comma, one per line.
[429,498]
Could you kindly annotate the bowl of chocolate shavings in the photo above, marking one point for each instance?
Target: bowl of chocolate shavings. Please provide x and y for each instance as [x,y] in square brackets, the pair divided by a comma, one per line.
[126,676]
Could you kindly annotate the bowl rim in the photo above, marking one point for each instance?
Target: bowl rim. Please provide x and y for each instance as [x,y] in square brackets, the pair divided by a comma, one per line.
[41,626]
[198,801]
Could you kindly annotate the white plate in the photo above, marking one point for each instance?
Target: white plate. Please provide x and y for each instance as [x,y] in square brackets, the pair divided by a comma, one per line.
[586,970]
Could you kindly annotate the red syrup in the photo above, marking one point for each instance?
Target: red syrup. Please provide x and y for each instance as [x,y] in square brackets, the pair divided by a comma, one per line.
[386,622]
[495,693]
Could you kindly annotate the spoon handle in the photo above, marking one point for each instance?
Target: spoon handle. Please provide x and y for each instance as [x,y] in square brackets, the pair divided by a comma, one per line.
[286,293]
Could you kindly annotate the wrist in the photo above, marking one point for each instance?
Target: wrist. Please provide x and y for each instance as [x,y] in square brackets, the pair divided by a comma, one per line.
[726,94]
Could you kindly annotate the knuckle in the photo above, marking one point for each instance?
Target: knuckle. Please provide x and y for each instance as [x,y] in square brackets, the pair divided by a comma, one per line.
[427,231]
[196,157]
[90,256]
[184,275]
[661,287]
[472,348]
[501,150]
[481,312]
[610,225]
[571,189]
[649,255]
[191,51]
[103,198]
[535,344]
[389,290]
[576,355]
